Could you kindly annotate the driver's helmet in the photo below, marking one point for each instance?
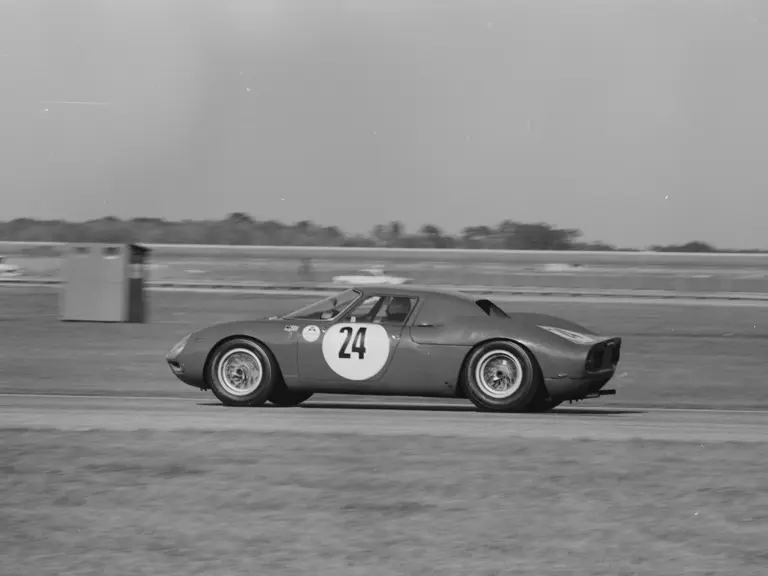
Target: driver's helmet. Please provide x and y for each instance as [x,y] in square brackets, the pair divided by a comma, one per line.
[398,309]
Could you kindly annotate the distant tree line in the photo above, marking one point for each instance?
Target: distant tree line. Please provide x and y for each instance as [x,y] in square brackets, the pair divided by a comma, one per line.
[241,229]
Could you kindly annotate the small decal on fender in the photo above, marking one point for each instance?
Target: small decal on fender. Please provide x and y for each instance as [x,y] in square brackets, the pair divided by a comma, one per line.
[311,333]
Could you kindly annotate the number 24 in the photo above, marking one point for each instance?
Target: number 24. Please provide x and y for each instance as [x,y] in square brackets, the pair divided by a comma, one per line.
[358,344]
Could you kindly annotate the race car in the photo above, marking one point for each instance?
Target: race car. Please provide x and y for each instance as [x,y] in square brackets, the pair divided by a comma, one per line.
[400,341]
[9,270]
[373,275]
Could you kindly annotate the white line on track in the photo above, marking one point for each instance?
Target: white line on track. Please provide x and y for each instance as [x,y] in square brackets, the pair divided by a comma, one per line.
[422,402]
[94,396]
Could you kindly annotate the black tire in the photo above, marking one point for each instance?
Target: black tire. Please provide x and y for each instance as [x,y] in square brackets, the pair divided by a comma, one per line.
[541,401]
[286,398]
[479,392]
[224,391]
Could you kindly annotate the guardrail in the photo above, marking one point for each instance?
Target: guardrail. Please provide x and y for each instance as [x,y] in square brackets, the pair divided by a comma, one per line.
[279,265]
[308,289]
[517,257]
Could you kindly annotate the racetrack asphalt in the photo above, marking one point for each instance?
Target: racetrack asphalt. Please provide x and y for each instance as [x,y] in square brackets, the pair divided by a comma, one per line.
[410,417]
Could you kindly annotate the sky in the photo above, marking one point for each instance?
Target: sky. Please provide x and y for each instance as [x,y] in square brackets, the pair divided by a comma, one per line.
[637,121]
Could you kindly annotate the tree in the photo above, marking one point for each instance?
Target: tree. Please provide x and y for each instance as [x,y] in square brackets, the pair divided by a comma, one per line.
[476,236]
[395,232]
[241,228]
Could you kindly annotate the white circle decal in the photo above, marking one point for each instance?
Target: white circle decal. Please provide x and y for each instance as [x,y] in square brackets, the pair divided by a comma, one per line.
[356,351]
[311,333]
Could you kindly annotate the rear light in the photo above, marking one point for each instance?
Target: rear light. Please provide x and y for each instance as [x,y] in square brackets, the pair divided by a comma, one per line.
[595,359]
[604,356]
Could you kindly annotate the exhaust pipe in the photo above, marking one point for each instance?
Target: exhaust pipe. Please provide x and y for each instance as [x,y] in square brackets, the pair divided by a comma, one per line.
[601,393]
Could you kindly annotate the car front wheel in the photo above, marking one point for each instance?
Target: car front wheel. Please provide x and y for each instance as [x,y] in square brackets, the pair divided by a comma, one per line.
[242,373]
[500,376]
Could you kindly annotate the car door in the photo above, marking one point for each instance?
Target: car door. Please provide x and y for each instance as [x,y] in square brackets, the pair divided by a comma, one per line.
[431,352]
[352,354]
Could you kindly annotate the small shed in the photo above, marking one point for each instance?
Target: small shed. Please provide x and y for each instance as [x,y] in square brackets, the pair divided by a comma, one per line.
[104,283]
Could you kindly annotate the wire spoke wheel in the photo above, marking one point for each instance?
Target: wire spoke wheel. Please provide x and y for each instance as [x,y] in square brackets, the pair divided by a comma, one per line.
[240,372]
[499,374]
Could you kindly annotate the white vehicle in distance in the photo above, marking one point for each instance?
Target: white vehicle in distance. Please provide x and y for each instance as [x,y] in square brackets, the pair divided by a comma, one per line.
[373,275]
[9,270]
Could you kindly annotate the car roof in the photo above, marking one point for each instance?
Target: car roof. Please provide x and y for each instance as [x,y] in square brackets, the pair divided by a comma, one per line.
[411,290]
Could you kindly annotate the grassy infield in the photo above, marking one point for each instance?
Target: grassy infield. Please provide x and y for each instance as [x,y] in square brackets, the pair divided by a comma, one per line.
[229,503]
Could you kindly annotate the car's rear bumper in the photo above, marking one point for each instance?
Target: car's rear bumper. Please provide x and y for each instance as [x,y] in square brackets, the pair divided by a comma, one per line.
[589,382]
[562,389]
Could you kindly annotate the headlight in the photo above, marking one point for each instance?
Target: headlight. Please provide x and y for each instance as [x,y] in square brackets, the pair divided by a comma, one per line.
[575,337]
[176,350]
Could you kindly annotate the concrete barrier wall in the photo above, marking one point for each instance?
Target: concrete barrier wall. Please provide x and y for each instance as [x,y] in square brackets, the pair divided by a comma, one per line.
[701,273]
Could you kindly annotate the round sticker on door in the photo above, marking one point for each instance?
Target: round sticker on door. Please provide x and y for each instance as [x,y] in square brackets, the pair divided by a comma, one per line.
[311,333]
[356,351]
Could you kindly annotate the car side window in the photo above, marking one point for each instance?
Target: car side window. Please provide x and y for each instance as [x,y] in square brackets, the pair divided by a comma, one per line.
[395,310]
[390,310]
[366,310]
[326,309]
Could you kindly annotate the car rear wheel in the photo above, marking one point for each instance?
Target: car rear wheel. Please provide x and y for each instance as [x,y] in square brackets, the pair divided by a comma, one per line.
[242,373]
[500,376]
[286,398]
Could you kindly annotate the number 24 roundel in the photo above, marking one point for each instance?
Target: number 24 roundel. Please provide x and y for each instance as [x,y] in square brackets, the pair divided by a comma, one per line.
[356,351]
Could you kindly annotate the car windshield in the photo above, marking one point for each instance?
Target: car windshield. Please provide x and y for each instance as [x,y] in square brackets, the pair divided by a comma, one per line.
[326,309]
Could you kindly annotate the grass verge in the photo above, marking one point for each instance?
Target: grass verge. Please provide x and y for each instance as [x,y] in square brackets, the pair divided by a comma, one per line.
[228,503]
